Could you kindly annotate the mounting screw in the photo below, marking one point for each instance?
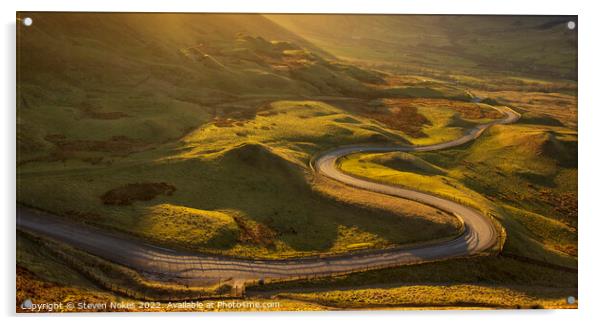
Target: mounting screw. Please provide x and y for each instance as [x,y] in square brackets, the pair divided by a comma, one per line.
[27,21]
[571,25]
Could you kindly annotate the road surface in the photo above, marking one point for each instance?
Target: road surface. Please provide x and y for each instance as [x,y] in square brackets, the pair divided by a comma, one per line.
[479,235]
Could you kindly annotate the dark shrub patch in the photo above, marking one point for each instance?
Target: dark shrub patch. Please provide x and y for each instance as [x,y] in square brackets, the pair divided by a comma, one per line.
[129,193]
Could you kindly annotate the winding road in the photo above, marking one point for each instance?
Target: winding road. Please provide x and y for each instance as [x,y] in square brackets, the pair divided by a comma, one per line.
[479,234]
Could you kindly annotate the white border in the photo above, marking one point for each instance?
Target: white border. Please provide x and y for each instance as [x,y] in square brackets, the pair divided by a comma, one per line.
[329,6]
[590,116]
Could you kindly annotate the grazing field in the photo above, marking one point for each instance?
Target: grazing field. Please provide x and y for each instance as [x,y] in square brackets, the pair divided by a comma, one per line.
[196,133]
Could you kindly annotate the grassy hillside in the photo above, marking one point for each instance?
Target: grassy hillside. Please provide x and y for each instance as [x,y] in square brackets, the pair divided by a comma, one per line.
[117,84]
[429,296]
[235,188]
[43,276]
[478,282]
[524,175]
[86,85]
[511,44]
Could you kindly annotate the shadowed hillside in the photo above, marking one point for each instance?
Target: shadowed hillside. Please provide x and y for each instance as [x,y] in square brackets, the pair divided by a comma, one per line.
[122,83]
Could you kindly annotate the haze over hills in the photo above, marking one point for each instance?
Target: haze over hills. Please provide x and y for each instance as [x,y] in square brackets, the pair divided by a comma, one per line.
[537,46]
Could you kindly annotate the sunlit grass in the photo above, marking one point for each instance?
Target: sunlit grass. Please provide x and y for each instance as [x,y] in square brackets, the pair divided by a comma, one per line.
[452,296]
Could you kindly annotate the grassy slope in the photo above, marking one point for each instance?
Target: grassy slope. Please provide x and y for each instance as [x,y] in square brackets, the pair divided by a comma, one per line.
[41,276]
[93,77]
[476,282]
[123,92]
[424,296]
[445,123]
[248,180]
[526,175]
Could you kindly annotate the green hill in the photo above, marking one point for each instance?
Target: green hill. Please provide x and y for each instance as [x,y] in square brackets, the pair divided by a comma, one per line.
[525,175]
[138,81]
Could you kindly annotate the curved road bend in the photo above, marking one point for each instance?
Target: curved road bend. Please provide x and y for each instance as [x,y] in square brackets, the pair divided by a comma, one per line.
[479,235]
